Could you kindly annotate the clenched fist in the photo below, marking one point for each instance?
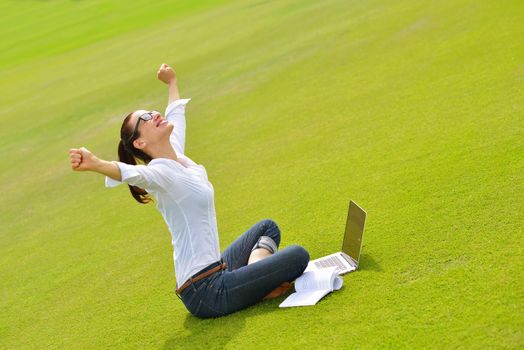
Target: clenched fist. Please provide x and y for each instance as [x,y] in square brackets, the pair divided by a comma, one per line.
[82,159]
[166,74]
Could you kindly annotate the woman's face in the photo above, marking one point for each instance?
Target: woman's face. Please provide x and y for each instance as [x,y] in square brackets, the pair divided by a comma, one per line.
[152,131]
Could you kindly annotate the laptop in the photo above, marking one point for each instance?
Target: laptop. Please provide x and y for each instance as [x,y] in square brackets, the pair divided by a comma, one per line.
[346,260]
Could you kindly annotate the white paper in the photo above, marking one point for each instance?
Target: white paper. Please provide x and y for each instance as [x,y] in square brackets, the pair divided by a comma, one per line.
[313,286]
[315,280]
[304,298]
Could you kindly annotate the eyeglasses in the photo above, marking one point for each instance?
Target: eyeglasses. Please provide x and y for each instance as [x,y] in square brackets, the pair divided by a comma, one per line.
[145,117]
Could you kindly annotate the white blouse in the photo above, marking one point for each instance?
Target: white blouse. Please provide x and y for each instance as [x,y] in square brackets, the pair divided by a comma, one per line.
[183,195]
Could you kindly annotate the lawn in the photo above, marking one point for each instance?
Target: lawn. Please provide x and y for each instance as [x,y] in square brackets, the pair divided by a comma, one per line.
[412,109]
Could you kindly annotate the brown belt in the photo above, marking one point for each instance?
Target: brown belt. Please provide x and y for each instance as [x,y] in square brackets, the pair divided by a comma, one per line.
[199,277]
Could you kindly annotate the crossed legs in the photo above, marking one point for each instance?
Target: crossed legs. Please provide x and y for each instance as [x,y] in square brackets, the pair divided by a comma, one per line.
[268,272]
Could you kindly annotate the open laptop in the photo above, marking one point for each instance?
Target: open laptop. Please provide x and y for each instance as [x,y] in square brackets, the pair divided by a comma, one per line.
[346,260]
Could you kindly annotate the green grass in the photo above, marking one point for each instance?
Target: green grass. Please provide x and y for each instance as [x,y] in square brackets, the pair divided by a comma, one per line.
[412,109]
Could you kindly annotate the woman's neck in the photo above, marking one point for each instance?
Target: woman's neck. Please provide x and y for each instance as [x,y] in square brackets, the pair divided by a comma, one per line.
[165,151]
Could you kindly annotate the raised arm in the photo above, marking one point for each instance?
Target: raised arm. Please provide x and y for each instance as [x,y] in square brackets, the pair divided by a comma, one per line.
[175,111]
[167,75]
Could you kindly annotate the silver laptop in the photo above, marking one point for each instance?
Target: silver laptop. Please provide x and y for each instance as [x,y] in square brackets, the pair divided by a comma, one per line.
[346,260]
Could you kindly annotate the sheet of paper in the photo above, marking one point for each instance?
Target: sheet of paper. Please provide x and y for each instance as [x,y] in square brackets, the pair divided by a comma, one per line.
[304,298]
[316,280]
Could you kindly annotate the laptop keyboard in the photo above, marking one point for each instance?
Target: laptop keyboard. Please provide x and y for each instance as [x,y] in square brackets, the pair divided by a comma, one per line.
[331,261]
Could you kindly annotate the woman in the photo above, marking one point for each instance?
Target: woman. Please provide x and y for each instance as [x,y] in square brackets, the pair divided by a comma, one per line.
[210,284]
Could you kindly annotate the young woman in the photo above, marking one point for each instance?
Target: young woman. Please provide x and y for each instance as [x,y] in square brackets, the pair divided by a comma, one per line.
[210,284]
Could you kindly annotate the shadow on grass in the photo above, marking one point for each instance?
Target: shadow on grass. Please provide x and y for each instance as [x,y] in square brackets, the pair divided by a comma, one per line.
[206,334]
[367,263]
[216,333]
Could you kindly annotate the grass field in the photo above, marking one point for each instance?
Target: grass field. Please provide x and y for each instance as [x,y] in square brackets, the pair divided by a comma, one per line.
[413,109]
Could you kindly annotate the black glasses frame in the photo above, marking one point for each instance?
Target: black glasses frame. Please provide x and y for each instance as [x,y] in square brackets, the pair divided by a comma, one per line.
[145,117]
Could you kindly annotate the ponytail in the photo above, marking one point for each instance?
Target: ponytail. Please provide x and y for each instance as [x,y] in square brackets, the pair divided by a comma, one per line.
[129,154]
[138,193]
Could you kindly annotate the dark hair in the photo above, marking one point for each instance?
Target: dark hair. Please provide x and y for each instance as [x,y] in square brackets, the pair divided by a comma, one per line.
[127,153]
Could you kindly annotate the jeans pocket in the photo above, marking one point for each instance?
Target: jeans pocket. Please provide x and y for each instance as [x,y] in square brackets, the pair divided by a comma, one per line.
[199,290]
[192,294]
[215,280]
[208,302]
[188,296]
[213,301]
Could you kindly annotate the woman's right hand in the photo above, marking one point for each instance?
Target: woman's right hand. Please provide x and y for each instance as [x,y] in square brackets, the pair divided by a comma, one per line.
[166,74]
[82,159]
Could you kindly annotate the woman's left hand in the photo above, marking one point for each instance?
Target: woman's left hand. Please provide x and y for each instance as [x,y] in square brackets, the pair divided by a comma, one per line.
[166,74]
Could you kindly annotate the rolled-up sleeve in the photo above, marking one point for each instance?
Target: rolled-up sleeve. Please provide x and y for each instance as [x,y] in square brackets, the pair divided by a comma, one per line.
[150,177]
[176,115]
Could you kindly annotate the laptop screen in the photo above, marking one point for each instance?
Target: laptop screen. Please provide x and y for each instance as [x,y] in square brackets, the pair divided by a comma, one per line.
[354,231]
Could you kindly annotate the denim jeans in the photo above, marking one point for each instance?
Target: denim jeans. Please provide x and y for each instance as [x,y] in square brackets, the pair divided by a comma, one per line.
[241,285]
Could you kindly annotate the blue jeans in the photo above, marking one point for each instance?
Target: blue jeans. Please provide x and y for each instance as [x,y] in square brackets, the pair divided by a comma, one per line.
[241,285]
